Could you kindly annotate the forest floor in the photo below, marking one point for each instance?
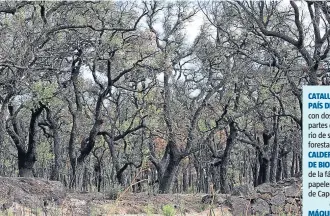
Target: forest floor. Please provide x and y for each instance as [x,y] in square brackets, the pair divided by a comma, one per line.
[25,196]
[142,204]
[28,196]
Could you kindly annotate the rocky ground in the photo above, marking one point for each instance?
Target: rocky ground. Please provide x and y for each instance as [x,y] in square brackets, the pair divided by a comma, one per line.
[24,196]
[282,198]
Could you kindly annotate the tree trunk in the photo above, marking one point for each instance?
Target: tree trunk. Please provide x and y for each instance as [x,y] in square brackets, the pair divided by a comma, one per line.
[56,168]
[224,165]
[71,149]
[264,162]
[185,180]
[205,181]
[255,169]
[300,163]
[245,168]
[98,175]
[275,149]
[3,109]
[279,169]
[191,178]
[73,180]
[25,164]
[55,174]
[274,159]
[26,154]
[263,170]
[119,169]
[297,165]
[285,166]
[166,181]
[293,162]
[120,173]
[85,179]
[115,161]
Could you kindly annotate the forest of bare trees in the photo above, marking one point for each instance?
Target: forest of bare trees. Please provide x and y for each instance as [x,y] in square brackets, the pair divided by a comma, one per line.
[117,94]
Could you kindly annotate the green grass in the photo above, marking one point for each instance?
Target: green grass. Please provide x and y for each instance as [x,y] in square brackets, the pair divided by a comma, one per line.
[168,210]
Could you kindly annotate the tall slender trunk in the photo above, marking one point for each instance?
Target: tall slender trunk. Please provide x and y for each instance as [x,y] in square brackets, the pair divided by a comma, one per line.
[285,166]
[57,158]
[275,148]
[85,179]
[245,168]
[98,175]
[293,163]
[224,184]
[185,178]
[274,159]
[299,164]
[72,141]
[279,170]
[55,173]
[255,169]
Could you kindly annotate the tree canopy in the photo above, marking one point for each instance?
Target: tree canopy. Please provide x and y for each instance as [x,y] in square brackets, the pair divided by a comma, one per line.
[120,94]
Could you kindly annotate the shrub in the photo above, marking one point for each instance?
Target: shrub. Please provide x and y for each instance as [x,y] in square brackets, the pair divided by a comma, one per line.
[168,210]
